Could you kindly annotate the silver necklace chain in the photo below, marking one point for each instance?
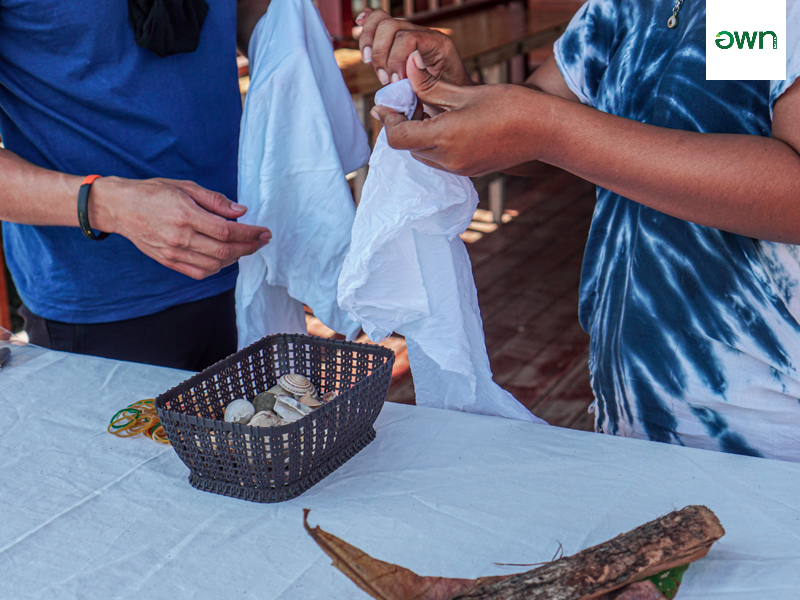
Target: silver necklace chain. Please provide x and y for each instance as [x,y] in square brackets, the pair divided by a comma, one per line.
[672,22]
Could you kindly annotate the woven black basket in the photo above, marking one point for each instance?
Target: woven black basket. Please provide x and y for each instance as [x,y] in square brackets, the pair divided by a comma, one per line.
[272,464]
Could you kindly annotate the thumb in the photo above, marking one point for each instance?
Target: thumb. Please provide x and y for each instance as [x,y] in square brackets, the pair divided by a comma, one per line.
[388,116]
[428,88]
[402,134]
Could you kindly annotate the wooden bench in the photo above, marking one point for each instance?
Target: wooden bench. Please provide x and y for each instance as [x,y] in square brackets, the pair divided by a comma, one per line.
[494,43]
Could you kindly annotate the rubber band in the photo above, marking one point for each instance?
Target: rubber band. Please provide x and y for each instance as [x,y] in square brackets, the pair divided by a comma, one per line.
[139,417]
[161,438]
[122,414]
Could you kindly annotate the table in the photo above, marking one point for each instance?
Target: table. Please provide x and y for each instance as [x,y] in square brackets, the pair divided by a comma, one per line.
[486,40]
[89,515]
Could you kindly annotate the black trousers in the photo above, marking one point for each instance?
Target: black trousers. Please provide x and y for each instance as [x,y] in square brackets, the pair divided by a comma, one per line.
[189,336]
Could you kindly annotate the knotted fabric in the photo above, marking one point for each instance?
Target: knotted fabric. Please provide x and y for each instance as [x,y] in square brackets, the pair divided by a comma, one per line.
[167,26]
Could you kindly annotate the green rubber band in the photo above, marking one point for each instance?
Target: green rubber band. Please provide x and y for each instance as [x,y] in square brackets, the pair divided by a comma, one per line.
[114,418]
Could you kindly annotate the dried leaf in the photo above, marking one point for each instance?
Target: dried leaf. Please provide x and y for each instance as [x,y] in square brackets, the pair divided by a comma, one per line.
[385,581]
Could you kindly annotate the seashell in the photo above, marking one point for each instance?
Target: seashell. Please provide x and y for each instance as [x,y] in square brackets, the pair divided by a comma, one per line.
[239,411]
[264,401]
[309,400]
[266,419]
[327,397]
[297,385]
[294,404]
[287,414]
[290,409]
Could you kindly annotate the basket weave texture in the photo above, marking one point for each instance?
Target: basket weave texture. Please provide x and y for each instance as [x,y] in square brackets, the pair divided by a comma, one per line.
[273,464]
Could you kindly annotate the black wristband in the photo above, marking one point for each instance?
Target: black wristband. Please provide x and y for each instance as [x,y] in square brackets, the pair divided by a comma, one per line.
[83,210]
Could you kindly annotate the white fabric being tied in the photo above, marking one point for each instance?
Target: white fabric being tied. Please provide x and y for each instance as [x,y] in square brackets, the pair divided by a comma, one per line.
[408,271]
[300,135]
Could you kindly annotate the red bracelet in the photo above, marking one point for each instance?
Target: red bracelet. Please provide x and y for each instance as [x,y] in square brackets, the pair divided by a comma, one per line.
[83,209]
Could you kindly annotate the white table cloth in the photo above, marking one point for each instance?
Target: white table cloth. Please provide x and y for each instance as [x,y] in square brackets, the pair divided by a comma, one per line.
[84,514]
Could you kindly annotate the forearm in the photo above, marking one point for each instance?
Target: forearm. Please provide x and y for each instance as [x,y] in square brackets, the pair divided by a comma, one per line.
[546,78]
[248,13]
[178,223]
[744,184]
[37,196]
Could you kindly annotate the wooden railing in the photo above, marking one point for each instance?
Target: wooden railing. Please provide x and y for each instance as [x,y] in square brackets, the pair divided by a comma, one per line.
[339,15]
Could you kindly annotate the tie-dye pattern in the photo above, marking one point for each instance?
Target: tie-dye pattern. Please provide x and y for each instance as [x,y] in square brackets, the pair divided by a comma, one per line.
[792,53]
[695,337]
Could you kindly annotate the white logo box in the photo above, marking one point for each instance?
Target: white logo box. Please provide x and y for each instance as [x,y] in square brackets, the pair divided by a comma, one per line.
[740,16]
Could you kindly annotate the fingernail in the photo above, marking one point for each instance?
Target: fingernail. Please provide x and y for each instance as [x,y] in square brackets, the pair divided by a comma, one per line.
[238,207]
[361,16]
[266,236]
[418,59]
[395,77]
[367,55]
[383,76]
[375,115]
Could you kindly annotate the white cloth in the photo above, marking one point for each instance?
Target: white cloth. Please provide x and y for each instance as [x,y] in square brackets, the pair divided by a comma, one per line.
[409,272]
[300,135]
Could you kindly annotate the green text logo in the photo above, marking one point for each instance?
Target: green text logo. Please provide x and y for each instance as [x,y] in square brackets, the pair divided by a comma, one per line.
[745,39]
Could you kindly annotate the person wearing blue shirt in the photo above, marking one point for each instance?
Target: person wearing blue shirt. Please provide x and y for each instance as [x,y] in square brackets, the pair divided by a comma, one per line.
[80,96]
[692,267]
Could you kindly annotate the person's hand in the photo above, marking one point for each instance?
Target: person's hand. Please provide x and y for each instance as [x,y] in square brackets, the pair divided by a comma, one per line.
[180,224]
[481,129]
[387,43]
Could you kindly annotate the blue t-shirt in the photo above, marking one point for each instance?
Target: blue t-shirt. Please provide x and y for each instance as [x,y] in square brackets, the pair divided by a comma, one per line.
[694,332]
[77,95]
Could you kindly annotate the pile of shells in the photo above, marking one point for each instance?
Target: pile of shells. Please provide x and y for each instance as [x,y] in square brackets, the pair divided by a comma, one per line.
[292,399]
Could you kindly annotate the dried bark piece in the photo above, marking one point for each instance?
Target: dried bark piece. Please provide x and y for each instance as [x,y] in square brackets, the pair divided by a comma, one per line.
[679,538]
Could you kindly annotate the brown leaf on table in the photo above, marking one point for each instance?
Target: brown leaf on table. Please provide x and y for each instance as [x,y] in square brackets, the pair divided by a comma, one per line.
[385,581]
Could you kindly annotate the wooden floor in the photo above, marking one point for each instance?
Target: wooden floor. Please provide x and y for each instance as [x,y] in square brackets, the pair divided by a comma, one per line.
[527,271]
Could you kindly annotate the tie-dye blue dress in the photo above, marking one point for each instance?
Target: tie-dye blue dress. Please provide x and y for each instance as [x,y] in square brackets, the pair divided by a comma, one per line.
[695,332]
